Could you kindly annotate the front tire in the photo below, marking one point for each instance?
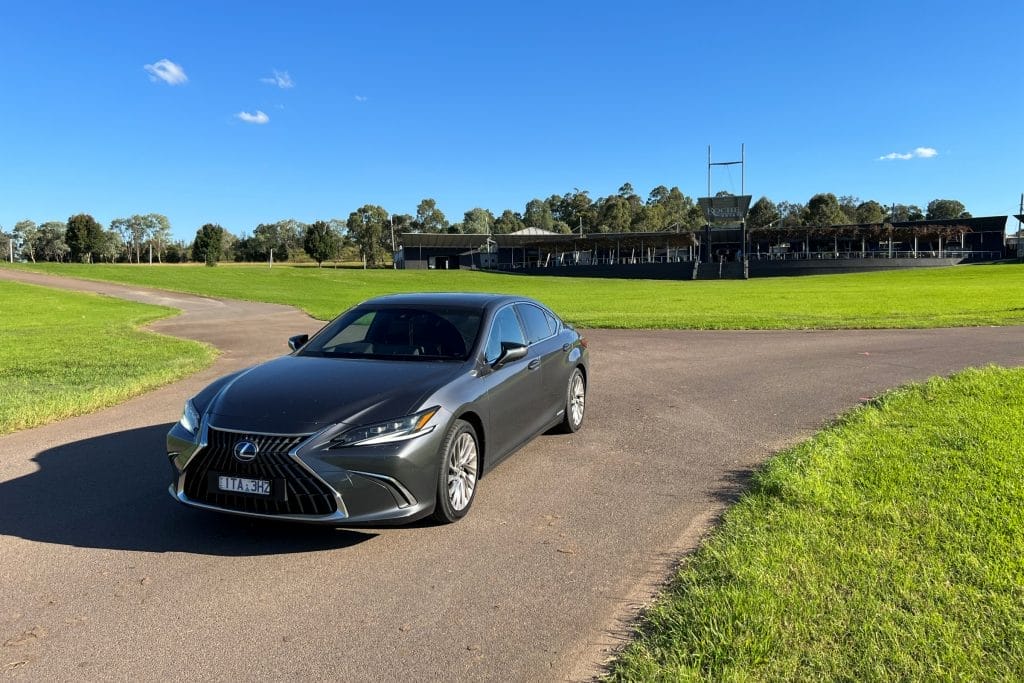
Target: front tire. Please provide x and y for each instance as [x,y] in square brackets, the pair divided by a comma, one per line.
[459,473]
[575,403]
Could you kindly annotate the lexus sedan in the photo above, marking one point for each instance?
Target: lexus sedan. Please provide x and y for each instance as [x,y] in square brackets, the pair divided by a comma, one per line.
[390,413]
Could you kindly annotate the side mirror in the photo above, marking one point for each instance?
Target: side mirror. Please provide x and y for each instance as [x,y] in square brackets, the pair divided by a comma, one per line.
[510,351]
[297,342]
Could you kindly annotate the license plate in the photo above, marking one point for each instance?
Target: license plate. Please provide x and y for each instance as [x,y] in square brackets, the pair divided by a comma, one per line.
[259,487]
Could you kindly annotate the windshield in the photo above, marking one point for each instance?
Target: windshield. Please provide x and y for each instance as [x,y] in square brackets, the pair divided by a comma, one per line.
[398,333]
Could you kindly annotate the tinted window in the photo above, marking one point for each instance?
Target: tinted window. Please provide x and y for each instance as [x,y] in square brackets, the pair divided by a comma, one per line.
[552,322]
[536,322]
[505,328]
[398,333]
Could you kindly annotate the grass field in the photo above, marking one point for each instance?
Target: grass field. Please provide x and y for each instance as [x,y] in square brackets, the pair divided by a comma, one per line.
[888,547]
[946,297]
[65,354]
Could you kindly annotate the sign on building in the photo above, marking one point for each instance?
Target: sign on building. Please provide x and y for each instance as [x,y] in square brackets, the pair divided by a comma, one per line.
[730,209]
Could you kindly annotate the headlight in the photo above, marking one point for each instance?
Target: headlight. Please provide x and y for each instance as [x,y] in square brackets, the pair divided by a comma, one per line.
[190,418]
[402,429]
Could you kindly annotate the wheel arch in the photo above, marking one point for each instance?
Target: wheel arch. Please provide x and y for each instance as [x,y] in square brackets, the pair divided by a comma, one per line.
[478,426]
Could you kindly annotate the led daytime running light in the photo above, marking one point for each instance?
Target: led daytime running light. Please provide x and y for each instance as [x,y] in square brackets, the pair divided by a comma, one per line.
[402,429]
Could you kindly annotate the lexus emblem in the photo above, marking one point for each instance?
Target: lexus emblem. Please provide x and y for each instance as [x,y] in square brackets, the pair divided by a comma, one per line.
[245,451]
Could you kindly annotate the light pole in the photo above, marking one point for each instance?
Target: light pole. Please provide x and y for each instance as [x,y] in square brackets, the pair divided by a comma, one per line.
[394,265]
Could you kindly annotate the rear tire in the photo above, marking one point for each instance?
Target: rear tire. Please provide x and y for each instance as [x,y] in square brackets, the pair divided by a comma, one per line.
[459,473]
[575,403]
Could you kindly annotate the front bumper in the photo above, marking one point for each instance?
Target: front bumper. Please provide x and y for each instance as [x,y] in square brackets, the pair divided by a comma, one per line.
[360,485]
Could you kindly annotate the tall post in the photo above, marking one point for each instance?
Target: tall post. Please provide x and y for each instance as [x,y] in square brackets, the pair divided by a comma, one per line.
[1020,247]
[393,264]
[709,171]
[271,258]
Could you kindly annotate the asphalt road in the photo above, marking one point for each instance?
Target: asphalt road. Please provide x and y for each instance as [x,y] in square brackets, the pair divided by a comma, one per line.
[103,576]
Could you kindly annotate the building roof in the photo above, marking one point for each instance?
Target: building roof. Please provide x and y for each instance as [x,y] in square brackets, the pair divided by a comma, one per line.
[535,237]
[442,240]
[533,231]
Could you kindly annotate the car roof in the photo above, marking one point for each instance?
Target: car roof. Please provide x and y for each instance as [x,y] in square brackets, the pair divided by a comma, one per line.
[468,299]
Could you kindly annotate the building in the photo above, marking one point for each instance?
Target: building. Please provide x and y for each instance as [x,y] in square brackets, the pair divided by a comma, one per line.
[678,254]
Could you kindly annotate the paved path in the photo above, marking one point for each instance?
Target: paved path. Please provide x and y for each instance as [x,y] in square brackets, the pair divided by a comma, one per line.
[102,576]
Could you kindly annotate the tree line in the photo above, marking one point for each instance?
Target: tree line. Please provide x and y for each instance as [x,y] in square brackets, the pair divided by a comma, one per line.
[369,231]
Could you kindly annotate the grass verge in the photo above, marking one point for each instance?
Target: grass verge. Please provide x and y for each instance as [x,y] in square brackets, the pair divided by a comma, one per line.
[65,354]
[888,547]
[959,296]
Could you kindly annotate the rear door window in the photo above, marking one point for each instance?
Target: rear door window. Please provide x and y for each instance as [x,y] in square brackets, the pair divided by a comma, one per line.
[536,322]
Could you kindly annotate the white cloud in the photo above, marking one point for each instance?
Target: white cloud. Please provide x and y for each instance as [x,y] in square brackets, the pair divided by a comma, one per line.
[919,153]
[259,118]
[167,71]
[281,79]
[361,98]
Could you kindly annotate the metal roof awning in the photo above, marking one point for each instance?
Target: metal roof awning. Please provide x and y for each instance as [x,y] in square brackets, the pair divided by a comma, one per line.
[442,240]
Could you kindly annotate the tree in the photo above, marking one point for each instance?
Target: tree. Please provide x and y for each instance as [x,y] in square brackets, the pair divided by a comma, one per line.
[848,205]
[792,214]
[158,233]
[7,243]
[905,212]
[538,215]
[823,210]
[321,242]
[177,252]
[614,214]
[50,243]
[26,236]
[133,232]
[366,226]
[208,244]
[938,209]
[870,212]
[762,214]
[283,237]
[109,246]
[402,222]
[84,237]
[429,218]
[478,221]
[152,230]
[576,208]
[677,210]
[508,221]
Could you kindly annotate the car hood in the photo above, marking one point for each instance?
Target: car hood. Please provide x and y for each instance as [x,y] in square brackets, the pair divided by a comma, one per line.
[303,394]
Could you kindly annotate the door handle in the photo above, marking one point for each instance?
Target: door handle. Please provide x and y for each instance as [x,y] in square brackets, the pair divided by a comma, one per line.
[566,346]
[534,364]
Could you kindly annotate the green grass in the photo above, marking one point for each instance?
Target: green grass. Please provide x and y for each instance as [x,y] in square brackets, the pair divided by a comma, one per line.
[937,297]
[65,354]
[888,547]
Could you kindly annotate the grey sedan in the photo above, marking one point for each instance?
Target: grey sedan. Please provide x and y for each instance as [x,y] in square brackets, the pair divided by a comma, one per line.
[390,413]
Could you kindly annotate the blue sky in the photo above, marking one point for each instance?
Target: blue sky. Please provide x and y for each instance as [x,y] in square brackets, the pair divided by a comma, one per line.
[480,105]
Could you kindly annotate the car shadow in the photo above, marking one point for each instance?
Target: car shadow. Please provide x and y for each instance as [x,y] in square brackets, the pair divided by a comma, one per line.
[111,492]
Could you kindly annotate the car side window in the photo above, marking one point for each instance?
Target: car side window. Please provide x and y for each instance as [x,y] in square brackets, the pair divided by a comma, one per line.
[536,322]
[552,322]
[505,328]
